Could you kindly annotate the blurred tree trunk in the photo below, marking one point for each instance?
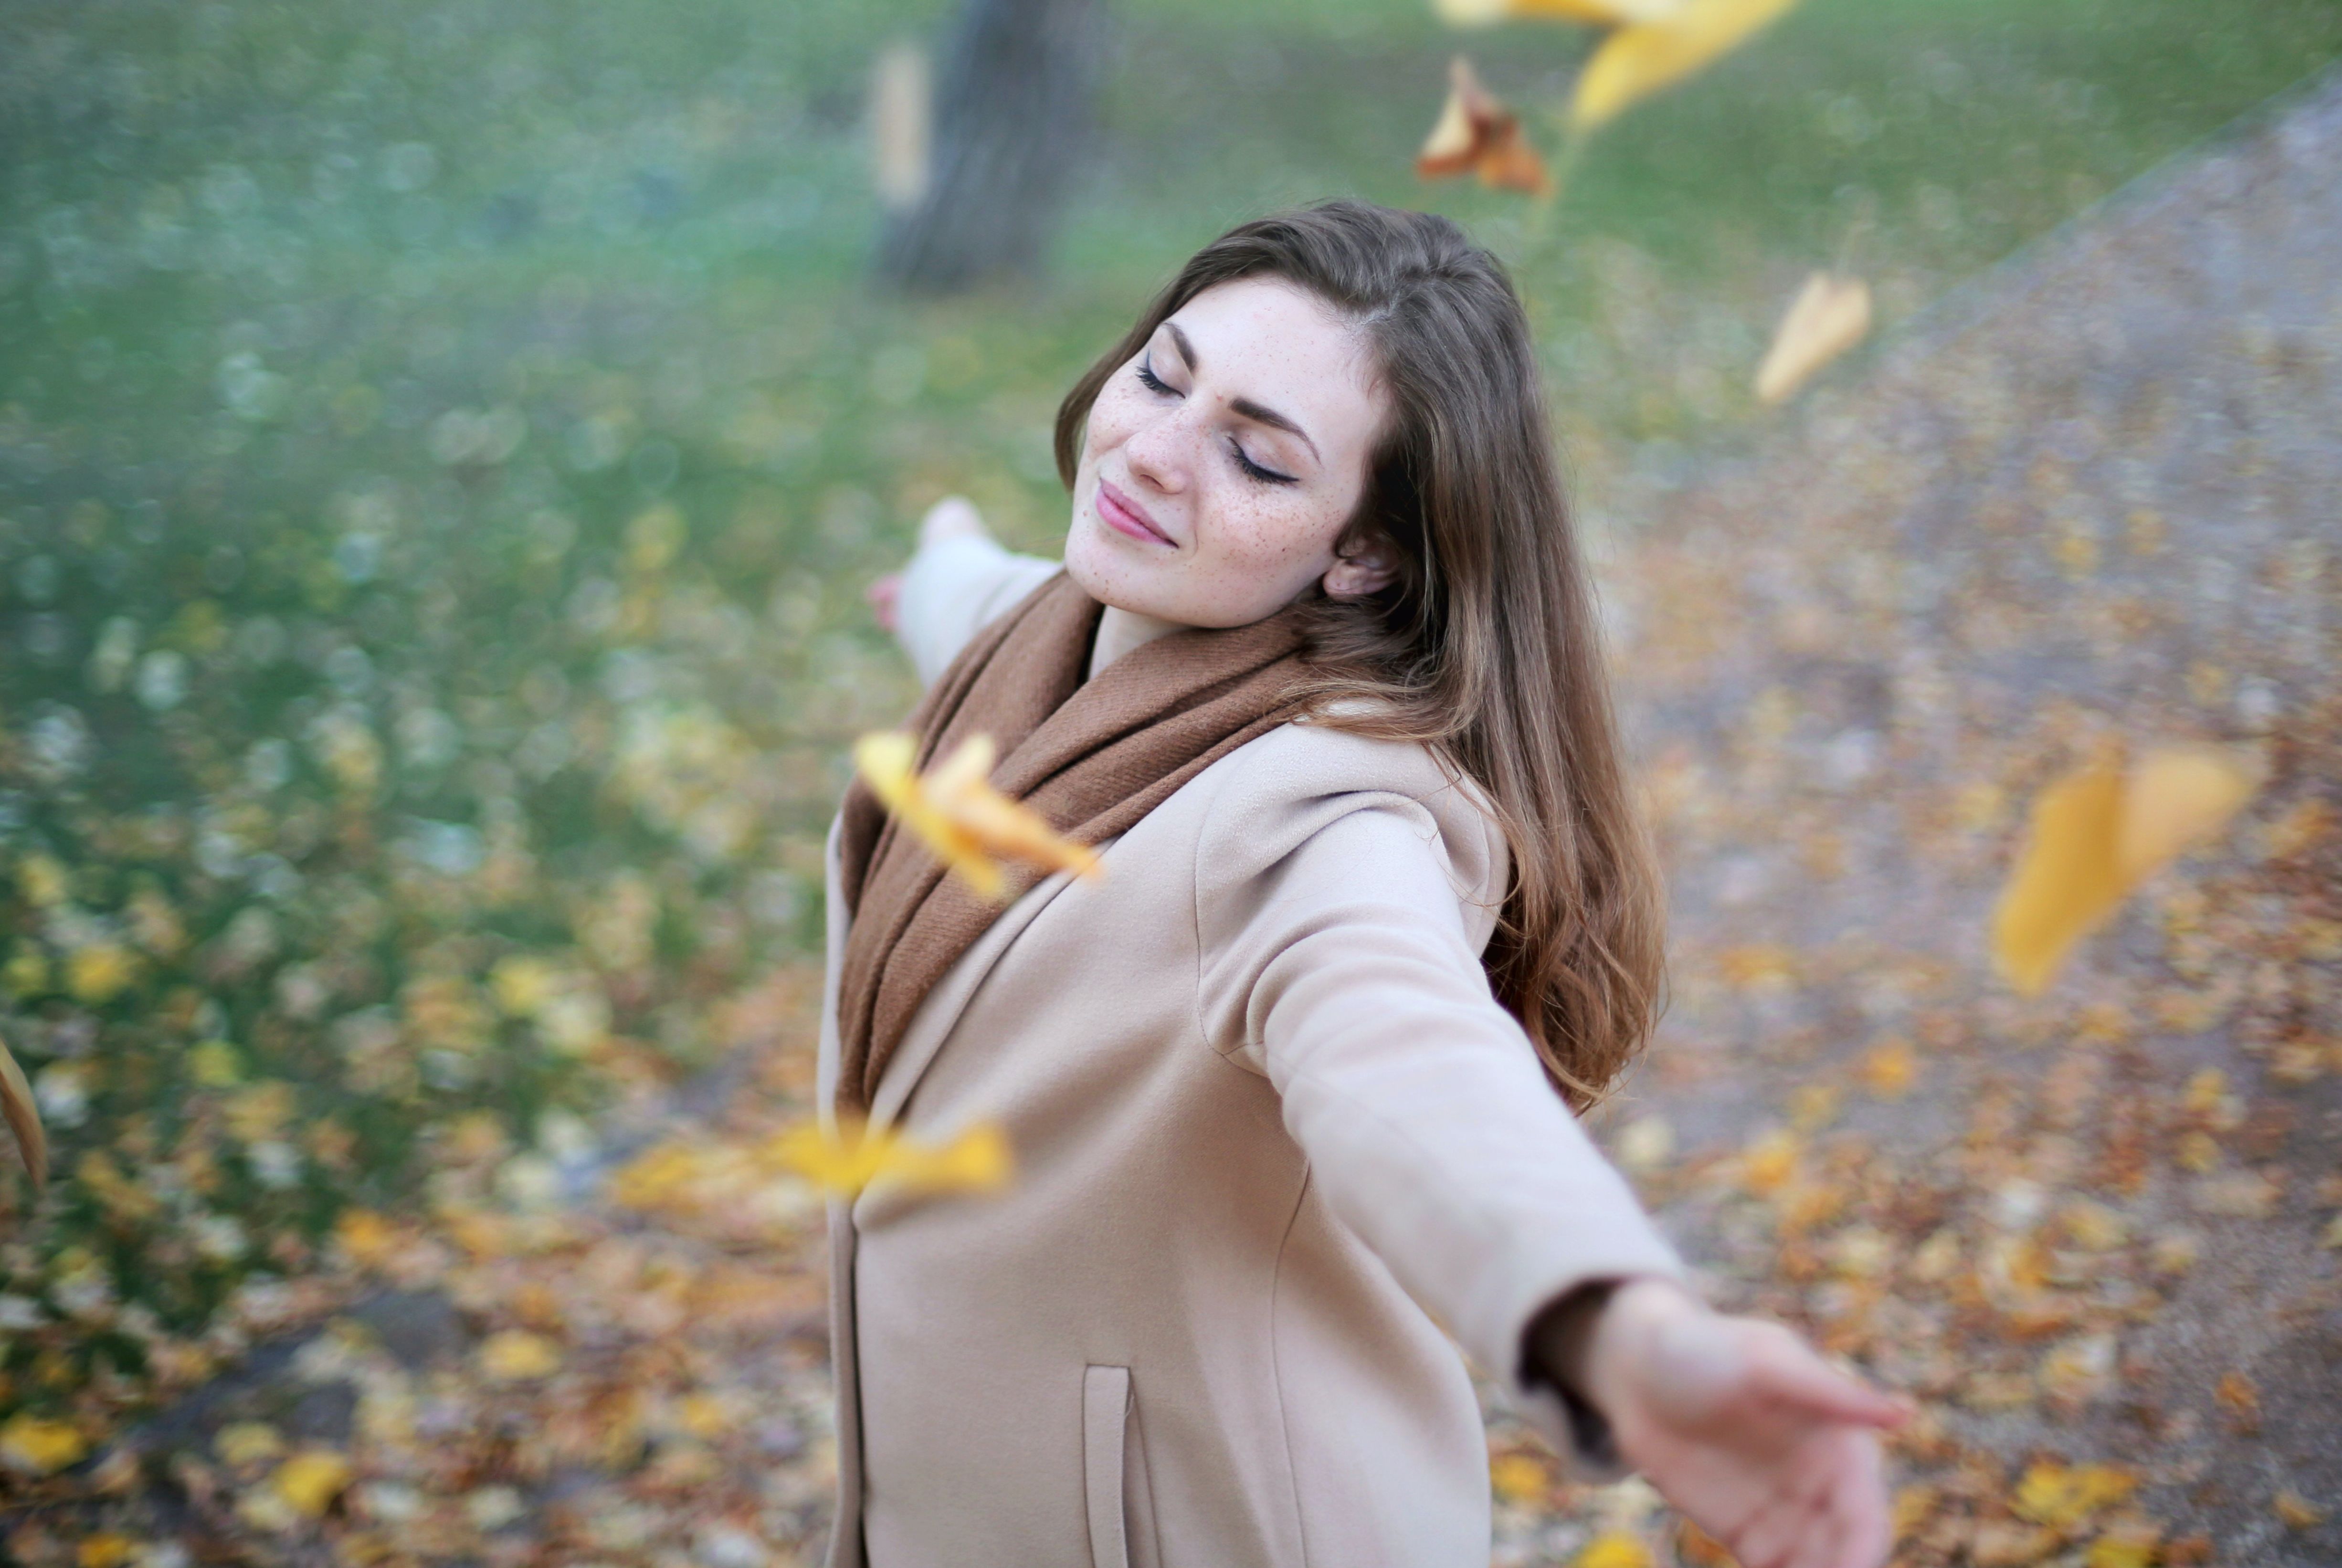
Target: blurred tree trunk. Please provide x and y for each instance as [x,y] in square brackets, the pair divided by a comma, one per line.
[1012,116]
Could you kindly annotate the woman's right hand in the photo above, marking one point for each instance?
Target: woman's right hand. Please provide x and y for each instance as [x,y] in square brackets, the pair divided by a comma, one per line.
[1763,1444]
[953,517]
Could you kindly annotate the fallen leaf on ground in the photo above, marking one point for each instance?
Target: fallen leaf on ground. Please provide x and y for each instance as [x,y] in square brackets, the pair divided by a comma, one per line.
[2298,1511]
[516,1356]
[1476,134]
[955,811]
[310,1481]
[1830,315]
[2062,1496]
[1519,1480]
[1636,61]
[36,1447]
[1613,1548]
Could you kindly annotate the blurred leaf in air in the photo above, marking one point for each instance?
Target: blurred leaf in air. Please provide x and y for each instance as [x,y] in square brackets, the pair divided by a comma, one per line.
[971,827]
[1476,134]
[846,1159]
[1830,315]
[1640,59]
[2097,833]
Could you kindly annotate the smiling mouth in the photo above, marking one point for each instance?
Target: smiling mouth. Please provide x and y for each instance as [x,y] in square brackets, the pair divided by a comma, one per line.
[1120,513]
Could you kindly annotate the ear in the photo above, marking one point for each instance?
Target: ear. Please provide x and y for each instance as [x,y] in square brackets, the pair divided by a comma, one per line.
[1361,572]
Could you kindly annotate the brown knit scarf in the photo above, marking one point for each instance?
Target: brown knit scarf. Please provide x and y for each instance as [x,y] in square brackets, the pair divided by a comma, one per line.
[1091,756]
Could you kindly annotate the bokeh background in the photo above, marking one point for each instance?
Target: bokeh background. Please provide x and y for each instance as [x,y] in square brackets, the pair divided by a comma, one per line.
[443,447]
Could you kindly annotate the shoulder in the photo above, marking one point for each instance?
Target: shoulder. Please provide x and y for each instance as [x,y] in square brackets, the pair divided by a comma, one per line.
[1274,796]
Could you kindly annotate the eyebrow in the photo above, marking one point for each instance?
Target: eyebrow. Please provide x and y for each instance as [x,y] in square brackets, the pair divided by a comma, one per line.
[1243,405]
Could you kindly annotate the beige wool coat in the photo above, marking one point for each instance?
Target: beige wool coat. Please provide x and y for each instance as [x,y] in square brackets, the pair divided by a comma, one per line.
[1273,1137]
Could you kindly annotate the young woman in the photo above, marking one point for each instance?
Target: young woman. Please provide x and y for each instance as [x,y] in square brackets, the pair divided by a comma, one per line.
[1289,1086]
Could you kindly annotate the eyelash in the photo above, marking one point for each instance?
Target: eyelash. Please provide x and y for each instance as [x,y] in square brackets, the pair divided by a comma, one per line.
[1154,383]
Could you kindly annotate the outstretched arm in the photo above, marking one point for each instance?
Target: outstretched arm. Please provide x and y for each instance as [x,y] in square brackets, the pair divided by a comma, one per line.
[959,578]
[1341,959]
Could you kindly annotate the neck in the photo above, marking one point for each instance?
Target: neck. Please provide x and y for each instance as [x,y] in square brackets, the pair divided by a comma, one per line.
[1119,630]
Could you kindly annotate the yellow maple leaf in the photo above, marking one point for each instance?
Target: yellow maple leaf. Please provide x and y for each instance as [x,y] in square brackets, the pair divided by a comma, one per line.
[1476,134]
[849,1158]
[1830,315]
[955,811]
[310,1481]
[1638,60]
[24,1114]
[2095,834]
[1594,13]
[37,1446]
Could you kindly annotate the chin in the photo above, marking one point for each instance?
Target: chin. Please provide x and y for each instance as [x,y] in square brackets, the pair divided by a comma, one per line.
[1094,565]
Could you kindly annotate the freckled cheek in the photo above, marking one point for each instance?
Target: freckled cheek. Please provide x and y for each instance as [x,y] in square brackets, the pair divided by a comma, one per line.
[1111,420]
[1250,538]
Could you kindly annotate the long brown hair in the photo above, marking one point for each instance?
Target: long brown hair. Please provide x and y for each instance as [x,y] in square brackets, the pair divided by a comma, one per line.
[1485,647]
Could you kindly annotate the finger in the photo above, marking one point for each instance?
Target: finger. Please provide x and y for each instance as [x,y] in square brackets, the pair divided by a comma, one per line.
[1866,1528]
[1785,1370]
[1776,1533]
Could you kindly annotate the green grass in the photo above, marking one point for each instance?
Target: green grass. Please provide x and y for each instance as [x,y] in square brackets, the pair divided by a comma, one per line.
[493,385]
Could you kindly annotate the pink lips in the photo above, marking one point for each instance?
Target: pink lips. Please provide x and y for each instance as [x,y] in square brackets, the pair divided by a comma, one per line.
[1120,513]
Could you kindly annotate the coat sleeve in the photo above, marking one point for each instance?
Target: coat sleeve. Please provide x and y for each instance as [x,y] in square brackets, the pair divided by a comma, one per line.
[1340,936]
[950,589]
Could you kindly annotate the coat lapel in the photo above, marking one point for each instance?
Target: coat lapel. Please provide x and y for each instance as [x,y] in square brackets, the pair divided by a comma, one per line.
[931,1025]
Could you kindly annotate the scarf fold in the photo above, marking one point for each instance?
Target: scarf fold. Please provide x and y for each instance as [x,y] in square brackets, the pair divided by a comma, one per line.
[1093,757]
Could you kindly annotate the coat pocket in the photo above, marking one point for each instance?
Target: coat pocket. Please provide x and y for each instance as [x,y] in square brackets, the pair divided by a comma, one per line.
[1115,1494]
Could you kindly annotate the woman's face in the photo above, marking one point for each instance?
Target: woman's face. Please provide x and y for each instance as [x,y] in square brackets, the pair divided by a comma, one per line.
[1221,462]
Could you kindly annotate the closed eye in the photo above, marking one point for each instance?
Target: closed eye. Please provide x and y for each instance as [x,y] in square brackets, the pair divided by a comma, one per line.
[1154,383]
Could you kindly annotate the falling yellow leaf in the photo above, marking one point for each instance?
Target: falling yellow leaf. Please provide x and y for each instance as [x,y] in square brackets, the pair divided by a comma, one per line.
[310,1481]
[956,812]
[1594,13]
[36,1447]
[1476,134]
[1830,315]
[516,1356]
[849,1159]
[23,1114]
[2173,799]
[1636,61]
[1613,1548]
[2095,834]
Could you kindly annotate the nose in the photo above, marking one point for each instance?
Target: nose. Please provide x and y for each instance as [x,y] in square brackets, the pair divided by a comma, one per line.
[1158,452]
